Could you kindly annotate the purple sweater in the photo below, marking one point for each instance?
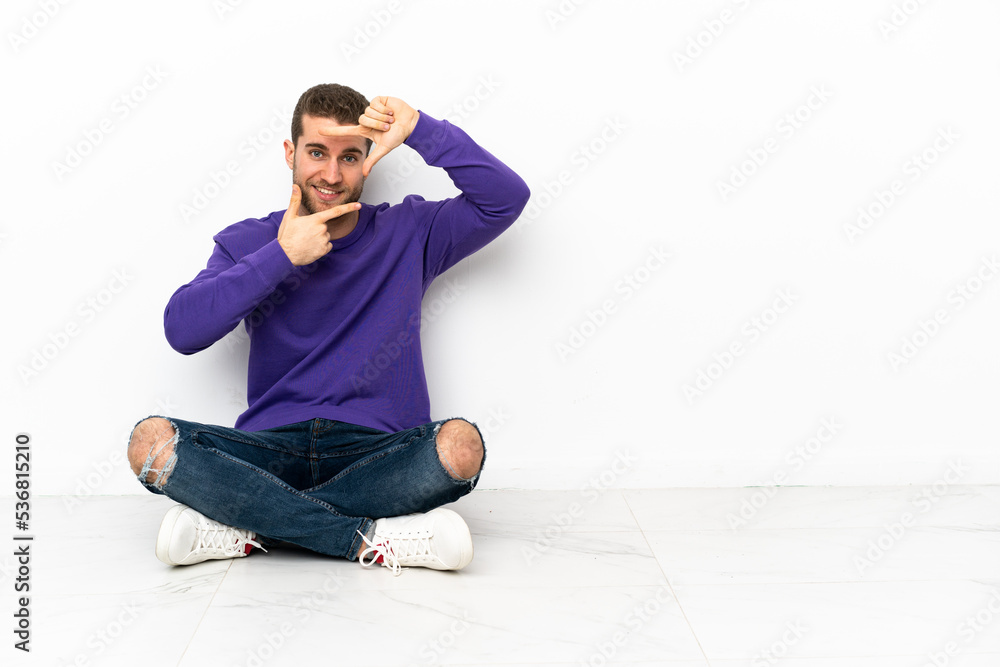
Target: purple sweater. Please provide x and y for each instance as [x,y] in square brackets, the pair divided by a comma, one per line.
[340,338]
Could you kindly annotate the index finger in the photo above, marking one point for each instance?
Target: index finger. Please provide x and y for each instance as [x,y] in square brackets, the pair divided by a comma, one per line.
[335,212]
[341,131]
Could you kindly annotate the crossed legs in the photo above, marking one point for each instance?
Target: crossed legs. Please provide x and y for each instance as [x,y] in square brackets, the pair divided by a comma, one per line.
[227,473]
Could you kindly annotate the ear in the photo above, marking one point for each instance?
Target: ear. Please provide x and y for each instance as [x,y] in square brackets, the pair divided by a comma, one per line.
[289,153]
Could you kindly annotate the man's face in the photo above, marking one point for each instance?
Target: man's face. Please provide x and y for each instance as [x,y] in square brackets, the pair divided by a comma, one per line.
[326,169]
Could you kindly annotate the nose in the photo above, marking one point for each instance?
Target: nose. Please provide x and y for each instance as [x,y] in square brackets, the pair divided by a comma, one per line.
[331,172]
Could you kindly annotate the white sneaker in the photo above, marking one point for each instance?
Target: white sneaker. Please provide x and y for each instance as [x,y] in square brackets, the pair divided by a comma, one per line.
[188,537]
[438,539]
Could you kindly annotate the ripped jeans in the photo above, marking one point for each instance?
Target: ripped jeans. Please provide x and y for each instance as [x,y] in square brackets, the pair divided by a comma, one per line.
[315,483]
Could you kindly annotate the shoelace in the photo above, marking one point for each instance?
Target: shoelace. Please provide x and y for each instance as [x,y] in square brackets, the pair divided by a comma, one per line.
[413,546]
[220,537]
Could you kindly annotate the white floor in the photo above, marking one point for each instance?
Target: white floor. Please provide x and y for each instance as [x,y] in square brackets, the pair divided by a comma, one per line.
[817,577]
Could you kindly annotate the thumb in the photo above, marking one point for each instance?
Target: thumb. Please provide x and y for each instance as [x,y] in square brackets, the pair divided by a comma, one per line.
[293,208]
[296,200]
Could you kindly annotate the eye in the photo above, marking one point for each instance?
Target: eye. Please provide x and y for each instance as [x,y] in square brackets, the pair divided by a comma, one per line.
[316,153]
[351,158]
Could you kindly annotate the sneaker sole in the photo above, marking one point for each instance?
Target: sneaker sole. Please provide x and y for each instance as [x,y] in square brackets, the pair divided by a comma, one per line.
[166,530]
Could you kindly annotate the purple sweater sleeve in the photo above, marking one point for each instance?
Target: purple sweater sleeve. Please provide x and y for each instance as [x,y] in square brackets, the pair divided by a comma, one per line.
[492,195]
[223,293]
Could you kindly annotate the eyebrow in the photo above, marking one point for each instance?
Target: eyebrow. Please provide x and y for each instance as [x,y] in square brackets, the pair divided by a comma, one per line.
[350,149]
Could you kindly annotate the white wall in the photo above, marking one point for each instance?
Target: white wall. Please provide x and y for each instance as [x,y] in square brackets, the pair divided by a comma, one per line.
[538,83]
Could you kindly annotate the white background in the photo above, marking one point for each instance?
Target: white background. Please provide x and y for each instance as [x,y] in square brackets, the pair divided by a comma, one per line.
[536,84]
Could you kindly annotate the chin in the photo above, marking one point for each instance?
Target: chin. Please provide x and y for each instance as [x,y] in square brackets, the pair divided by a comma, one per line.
[315,206]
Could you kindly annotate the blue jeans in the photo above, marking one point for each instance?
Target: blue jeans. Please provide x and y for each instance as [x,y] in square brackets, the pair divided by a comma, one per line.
[315,483]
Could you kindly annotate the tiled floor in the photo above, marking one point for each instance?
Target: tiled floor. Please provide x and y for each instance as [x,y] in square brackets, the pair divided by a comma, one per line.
[811,577]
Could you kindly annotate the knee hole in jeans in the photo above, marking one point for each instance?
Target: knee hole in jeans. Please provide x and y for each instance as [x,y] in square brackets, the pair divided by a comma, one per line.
[460,448]
[151,452]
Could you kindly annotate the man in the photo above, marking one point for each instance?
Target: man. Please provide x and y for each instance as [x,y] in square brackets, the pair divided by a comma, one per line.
[336,451]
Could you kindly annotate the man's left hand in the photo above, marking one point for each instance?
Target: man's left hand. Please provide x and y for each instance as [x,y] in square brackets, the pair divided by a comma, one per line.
[387,121]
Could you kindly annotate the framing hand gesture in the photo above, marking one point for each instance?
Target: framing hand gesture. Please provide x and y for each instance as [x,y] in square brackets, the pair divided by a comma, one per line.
[387,121]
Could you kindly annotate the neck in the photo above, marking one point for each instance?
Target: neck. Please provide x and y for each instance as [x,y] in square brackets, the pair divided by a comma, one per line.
[342,226]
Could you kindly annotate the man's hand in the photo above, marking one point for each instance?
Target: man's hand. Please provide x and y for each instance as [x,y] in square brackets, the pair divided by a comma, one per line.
[387,121]
[305,239]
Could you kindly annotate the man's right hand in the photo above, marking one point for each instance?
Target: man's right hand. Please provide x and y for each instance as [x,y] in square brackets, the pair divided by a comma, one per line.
[307,238]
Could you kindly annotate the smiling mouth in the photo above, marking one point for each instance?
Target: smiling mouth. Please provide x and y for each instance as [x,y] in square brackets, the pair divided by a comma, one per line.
[326,193]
